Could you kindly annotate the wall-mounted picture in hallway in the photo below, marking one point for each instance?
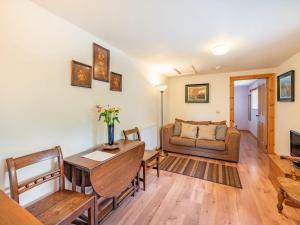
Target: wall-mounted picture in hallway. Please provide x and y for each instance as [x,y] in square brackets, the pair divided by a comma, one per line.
[286,87]
[197,93]
[101,63]
[81,74]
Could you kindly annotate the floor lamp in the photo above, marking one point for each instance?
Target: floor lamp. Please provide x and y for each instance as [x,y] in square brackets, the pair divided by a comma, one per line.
[162,89]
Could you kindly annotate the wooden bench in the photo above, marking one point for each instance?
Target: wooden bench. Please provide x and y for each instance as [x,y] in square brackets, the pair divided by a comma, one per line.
[61,207]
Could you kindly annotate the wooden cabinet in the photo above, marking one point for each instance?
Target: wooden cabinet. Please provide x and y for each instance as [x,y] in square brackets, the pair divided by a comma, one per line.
[280,168]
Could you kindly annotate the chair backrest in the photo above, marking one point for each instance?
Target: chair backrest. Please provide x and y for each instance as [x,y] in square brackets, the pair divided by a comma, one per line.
[13,164]
[132,131]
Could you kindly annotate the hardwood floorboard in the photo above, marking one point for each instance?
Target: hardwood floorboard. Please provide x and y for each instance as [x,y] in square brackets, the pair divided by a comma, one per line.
[174,199]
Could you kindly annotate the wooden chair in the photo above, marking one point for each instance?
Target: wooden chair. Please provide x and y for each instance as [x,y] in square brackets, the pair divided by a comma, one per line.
[149,155]
[61,207]
[289,189]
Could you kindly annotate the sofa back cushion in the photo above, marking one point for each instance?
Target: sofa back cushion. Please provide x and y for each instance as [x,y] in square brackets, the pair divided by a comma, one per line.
[188,130]
[177,125]
[223,122]
[221,131]
[193,122]
[207,132]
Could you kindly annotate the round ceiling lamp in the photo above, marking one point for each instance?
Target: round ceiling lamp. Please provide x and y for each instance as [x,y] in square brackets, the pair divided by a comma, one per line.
[220,49]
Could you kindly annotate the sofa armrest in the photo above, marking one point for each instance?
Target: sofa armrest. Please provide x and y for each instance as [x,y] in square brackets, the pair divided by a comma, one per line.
[167,132]
[232,142]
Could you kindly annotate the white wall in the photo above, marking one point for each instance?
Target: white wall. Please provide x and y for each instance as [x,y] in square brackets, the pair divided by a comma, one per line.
[241,107]
[218,106]
[40,109]
[287,114]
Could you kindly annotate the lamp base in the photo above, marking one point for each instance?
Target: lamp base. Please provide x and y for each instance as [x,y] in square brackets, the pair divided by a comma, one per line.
[162,153]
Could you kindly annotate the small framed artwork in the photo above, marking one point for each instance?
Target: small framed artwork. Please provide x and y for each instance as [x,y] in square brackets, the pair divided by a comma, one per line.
[249,107]
[100,63]
[197,93]
[115,82]
[286,87]
[81,74]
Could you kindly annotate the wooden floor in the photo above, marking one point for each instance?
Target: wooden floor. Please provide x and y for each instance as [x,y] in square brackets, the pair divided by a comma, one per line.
[177,199]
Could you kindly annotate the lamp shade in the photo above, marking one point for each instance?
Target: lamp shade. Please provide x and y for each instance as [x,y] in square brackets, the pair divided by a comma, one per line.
[162,87]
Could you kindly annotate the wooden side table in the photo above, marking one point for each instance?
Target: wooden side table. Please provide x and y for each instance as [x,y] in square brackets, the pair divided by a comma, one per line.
[149,156]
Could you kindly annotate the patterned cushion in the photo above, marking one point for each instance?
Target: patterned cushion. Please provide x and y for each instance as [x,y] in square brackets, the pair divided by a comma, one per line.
[221,131]
[177,128]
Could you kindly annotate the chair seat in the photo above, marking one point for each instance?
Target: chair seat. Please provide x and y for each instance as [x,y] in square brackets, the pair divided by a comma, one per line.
[57,207]
[150,155]
[291,188]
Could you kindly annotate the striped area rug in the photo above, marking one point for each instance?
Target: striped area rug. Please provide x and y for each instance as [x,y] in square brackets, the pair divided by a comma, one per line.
[213,172]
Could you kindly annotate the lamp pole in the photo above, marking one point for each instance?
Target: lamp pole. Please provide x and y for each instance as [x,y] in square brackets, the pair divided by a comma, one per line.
[162,89]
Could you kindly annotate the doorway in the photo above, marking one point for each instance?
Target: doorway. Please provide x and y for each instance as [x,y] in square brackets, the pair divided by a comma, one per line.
[254,107]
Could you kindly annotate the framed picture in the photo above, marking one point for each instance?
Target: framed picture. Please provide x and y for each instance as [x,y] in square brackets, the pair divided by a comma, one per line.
[286,87]
[197,93]
[100,63]
[115,82]
[249,107]
[81,74]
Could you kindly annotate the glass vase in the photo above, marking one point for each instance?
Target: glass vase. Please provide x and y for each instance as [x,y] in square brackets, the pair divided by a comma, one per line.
[111,134]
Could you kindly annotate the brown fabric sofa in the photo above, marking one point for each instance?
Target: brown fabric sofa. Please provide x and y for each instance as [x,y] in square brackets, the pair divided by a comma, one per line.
[225,150]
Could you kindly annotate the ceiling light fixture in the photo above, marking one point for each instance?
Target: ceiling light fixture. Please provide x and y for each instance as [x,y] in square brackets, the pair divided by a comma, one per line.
[220,49]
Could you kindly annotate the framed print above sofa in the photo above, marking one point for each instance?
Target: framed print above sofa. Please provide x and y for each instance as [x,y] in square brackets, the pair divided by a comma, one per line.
[197,93]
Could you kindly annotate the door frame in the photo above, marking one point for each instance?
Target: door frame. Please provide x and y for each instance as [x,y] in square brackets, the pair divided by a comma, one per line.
[270,78]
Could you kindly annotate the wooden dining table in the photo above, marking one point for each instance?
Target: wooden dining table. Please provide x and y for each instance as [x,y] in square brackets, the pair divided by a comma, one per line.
[112,179]
[11,213]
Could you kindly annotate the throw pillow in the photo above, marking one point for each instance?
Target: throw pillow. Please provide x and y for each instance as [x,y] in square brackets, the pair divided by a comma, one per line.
[177,128]
[221,131]
[207,132]
[188,130]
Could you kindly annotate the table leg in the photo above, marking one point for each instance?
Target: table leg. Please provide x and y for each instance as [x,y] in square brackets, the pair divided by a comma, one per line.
[138,180]
[157,165]
[96,208]
[91,213]
[144,174]
[134,187]
[73,178]
[82,182]
[115,205]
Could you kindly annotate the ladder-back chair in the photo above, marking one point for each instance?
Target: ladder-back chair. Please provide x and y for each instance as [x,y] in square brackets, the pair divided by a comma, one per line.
[61,207]
[149,155]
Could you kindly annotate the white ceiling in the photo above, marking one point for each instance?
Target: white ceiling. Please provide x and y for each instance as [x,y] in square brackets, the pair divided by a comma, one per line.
[244,82]
[177,34]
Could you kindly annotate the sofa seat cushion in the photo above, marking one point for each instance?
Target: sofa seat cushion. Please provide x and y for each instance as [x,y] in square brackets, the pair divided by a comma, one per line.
[209,144]
[190,142]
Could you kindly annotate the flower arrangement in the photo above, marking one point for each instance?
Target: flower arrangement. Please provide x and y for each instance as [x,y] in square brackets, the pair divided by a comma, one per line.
[110,114]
